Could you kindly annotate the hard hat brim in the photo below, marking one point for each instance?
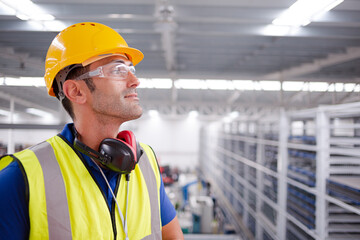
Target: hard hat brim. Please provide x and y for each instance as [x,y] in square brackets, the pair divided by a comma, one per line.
[135,55]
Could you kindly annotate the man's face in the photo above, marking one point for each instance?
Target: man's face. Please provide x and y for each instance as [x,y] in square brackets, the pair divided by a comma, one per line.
[115,97]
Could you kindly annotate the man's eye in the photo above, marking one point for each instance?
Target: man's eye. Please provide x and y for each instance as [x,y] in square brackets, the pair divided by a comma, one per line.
[118,70]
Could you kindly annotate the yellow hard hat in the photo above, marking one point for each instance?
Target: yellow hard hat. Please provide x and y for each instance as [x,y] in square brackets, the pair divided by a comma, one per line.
[84,43]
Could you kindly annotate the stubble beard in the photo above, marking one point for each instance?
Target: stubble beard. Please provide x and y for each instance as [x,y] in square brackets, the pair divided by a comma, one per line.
[117,108]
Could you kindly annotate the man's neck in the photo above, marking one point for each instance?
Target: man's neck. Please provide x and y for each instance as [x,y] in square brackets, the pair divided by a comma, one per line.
[92,133]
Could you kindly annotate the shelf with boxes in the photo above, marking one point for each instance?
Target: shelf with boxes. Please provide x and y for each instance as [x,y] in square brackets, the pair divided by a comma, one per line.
[301,168]
[322,156]
[301,205]
[294,232]
[343,180]
[239,164]
[224,178]
[293,177]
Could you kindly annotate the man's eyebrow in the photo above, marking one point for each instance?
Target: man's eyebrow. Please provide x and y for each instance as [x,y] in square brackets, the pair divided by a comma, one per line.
[121,61]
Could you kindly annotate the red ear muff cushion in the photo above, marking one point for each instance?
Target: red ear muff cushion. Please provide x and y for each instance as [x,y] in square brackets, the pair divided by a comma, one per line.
[128,138]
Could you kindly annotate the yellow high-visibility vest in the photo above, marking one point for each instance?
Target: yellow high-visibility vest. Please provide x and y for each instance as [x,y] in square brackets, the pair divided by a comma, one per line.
[65,202]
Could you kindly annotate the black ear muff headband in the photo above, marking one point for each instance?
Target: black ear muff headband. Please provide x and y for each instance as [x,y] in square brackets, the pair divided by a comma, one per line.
[120,154]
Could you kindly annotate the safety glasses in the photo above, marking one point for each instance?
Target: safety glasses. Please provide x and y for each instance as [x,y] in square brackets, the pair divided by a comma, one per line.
[113,70]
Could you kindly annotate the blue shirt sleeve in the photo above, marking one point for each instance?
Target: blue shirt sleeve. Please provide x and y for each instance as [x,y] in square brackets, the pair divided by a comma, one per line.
[14,214]
[167,210]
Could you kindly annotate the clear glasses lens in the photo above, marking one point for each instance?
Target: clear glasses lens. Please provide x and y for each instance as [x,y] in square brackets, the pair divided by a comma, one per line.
[118,70]
[110,70]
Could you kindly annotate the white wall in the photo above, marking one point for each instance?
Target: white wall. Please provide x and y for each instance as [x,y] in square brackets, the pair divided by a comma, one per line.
[175,141]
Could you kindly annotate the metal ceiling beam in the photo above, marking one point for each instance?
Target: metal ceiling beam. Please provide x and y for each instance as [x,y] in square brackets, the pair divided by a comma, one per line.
[235,3]
[316,100]
[204,108]
[194,28]
[195,74]
[27,103]
[233,97]
[166,26]
[348,95]
[168,46]
[23,59]
[351,53]
[174,96]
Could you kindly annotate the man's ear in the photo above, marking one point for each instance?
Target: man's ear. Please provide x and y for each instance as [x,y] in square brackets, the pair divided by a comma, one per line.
[74,91]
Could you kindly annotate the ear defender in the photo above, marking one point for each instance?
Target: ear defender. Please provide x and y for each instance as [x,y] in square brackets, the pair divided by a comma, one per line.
[128,138]
[119,155]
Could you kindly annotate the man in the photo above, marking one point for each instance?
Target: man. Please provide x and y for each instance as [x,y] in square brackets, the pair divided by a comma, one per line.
[88,182]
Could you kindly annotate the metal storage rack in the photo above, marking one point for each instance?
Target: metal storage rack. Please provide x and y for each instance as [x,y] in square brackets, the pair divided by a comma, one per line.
[293,176]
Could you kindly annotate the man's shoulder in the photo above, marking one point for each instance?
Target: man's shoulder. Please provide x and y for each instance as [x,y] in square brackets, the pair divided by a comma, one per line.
[148,150]
[14,221]
[150,153]
[10,176]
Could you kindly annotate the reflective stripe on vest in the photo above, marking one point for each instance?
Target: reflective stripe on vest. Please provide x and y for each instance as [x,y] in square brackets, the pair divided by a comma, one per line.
[59,225]
[55,193]
[150,180]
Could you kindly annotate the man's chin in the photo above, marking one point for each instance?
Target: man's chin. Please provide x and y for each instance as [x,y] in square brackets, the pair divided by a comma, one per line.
[137,115]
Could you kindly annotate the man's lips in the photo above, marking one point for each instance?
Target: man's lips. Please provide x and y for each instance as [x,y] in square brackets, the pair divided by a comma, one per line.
[132,95]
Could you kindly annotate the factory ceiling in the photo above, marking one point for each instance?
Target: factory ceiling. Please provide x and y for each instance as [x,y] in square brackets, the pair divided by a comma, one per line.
[206,40]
